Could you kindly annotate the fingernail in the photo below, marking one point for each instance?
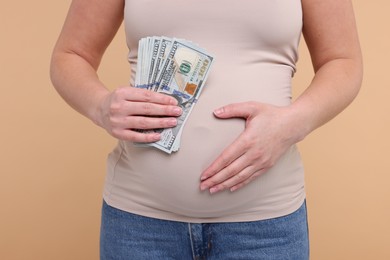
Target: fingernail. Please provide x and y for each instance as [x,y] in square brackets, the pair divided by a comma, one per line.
[203,178]
[203,187]
[172,122]
[233,189]
[177,110]
[173,101]
[213,190]
[218,111]
[156,136]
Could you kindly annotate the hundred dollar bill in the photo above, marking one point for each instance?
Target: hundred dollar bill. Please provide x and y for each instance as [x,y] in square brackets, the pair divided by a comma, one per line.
[139,63]
[165,45]
[182,76]
[145,61]
[155,48]
[179,69]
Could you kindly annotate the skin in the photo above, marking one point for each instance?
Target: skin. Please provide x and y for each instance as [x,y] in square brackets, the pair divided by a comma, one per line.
[331,36]
[88,30]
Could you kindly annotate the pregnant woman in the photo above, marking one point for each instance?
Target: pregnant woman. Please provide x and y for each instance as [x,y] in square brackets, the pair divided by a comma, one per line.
[235,189]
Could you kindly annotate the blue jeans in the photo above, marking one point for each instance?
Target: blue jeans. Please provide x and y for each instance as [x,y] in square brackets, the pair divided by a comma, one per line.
[131,237]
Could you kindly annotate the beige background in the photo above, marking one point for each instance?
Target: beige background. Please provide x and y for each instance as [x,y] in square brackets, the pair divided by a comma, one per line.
[53,160]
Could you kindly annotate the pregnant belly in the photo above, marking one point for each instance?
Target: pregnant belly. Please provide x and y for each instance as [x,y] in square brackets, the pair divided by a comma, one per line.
[170,183]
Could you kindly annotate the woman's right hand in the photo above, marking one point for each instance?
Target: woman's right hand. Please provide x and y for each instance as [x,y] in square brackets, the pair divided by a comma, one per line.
[128,108]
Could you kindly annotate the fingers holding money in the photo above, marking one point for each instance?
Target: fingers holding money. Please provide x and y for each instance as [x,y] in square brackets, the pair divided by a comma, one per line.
[143,95]
[126,110]
[142,122]
[127,107]
[177,68]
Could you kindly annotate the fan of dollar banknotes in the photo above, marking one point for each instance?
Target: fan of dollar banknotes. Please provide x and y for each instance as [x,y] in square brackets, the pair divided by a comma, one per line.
[175,67]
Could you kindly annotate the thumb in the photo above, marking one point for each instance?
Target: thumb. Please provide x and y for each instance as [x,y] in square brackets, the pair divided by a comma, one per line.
[242,110]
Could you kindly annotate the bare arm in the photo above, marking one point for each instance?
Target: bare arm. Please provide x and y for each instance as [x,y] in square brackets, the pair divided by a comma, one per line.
[89,28]
[331,35]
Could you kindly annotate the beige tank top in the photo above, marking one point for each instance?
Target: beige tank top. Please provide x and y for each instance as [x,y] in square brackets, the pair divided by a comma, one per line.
[255,46]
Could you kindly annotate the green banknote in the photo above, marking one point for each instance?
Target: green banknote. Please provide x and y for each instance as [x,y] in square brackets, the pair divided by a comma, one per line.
[177,68]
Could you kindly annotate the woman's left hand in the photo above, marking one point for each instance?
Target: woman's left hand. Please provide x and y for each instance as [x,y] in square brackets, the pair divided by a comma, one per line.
[269,132]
